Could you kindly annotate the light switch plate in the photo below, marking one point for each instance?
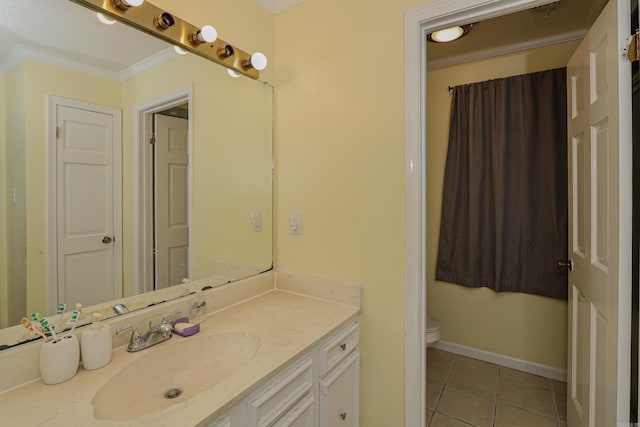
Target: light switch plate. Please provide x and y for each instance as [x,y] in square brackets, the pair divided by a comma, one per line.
[295,223]
[256,221]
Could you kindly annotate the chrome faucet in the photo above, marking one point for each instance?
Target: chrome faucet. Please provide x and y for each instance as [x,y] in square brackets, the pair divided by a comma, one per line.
[155,335]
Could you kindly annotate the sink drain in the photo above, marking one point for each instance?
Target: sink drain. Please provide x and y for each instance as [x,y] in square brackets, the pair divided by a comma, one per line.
[172,393]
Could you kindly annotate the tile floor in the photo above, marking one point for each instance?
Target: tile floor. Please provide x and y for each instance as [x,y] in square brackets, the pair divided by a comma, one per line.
[463,392]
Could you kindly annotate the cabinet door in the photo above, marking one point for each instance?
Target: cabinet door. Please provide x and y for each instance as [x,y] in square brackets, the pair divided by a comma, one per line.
[339,394]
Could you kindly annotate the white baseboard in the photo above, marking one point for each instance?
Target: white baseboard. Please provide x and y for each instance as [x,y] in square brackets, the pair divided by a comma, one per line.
[502,360]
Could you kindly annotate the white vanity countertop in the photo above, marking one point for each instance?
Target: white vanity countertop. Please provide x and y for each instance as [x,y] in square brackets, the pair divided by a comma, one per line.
[286,325]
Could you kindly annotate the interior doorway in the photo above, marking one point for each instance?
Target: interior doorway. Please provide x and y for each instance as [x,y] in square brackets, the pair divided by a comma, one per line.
[170,178]
[162,193]
[85,214]
[419,23]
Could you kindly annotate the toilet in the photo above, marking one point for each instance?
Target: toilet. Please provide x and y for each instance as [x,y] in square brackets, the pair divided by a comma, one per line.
[432,334]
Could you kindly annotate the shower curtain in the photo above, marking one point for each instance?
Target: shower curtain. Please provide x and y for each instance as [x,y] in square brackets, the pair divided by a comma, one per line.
[504,205]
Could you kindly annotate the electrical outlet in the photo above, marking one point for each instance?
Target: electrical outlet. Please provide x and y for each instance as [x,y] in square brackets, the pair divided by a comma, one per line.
[294,223]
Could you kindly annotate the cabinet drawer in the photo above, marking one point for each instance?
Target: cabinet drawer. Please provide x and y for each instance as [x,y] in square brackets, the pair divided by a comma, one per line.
[280,394]
[300,415]
[338,347]
[339,394]
[224,421]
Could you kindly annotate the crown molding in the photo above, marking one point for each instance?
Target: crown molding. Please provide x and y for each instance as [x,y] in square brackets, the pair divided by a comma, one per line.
[21,52]
[277,6]
[148,63]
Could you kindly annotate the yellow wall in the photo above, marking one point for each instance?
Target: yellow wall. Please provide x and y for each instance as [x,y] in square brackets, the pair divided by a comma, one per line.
[340,163]
[15,91]
[522,326]
[4,319]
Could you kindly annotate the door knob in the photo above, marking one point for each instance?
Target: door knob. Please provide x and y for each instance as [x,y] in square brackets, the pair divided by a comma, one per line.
[107,239]
[565,265]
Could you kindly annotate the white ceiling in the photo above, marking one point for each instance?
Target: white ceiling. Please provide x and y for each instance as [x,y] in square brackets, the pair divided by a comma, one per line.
[61,31]
[565,20]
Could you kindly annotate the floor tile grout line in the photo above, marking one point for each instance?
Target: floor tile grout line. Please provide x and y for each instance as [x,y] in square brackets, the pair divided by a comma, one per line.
[495,406]
[500,377]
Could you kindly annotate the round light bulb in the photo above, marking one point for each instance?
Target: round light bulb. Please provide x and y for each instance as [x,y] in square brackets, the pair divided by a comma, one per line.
[179,50]
[105,20]
[207,34]
[259,61]
[134,3]
[447,35]
[232,73]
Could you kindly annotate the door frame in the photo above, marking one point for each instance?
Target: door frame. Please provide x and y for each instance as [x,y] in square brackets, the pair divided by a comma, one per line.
[52,214]
[418,23]
[143,185]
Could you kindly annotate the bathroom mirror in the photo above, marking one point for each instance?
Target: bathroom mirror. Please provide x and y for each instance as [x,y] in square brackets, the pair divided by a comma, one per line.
[226,189]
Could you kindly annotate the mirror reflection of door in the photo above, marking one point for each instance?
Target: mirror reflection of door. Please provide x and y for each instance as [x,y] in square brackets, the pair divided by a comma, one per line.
[171,197]
[85,202]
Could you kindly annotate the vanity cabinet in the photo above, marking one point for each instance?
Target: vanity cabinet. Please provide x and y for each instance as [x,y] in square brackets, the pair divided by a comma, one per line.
[339,368]
[339,391]
[319,388]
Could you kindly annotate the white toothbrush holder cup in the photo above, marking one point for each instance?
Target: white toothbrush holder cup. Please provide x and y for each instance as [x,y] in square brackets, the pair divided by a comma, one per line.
[59,360]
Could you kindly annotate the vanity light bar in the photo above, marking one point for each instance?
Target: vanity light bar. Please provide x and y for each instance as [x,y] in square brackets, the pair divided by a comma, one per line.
[155,21]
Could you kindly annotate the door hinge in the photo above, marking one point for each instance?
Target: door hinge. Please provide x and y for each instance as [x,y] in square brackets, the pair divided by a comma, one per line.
[57,132]
[632,49]
[152,140]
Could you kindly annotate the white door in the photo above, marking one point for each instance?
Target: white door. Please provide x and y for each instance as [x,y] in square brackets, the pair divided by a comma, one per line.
[600,224]
[87,203]
[171,200]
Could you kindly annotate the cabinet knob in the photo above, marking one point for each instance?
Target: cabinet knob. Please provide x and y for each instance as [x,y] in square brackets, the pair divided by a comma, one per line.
[343,416]
[343,346]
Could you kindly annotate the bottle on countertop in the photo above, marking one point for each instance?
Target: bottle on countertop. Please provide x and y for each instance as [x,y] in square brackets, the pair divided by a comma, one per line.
[198,309]
[96,344]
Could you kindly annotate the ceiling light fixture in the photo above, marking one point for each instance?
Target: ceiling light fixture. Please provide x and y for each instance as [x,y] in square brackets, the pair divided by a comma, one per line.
[126,4]
[257,61]
[206,34]
[232,73]
[105,20]
[449,34]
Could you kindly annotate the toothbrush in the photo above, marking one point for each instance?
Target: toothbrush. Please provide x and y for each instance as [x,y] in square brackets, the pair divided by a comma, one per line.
[24,322]
[46,326]
[73,321]
[61,308]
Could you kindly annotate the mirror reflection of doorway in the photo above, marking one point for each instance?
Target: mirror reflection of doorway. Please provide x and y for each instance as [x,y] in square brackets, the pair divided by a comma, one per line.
[85,203]
[170,152]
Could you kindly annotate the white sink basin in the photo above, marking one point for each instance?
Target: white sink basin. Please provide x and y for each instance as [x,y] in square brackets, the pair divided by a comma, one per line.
[182,367]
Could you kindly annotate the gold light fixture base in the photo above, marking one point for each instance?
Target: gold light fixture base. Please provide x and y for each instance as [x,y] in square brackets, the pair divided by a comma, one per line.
[147,18]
